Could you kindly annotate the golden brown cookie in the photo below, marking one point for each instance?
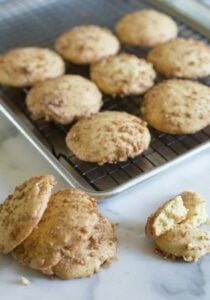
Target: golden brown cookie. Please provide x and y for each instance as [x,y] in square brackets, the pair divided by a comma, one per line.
[22,211]
[181,57]
[24,67]
[146,28]
[69,219]
[108,137]
[123,74]
[177,106]
[87,44]
[64,99]
[174,228]
[87,257]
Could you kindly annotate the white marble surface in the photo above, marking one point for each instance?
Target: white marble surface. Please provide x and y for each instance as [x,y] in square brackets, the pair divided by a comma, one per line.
[139,273]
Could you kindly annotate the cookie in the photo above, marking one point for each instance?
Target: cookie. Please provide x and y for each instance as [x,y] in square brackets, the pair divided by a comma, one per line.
[22,211]
[186,58]
[177,106]
[87,44]
[108,137]
[174,228]
[69,219]
[186,243]
[123,74]
[24,67]
[187,208]
[87,257]
[146,28]
[64,99]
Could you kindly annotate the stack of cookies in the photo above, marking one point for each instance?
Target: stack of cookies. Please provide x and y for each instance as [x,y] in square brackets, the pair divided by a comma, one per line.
[60,234]
[177,105]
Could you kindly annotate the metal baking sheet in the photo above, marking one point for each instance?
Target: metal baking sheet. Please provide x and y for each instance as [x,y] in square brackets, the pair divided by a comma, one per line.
[38,23]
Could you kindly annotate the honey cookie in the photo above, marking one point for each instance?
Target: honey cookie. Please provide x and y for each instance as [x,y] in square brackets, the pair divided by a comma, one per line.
[22,211]
[146,28]
[174,228]
[87,257]
[181,57]
[69,219]
[24,67]
[177,106]
[64,99]
[108,137]
[87,44]
[123,74]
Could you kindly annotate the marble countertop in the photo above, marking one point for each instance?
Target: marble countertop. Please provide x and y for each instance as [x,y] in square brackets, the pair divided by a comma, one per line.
[139,273]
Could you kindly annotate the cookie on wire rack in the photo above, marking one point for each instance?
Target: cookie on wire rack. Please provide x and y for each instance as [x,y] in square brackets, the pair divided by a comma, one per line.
[146,28]
[64,99]
[177,106]
[87,44]
[123,74]
[24,67]
[181,57]
[108,137]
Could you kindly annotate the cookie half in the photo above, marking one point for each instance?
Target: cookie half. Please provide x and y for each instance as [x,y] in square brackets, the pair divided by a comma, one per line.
[187,208]
[24,67]
[186,58]
[64,99]
[69,219]
[146,28]
[166,217]
[177,106]
[87,44]
[108,137]
[189,244]
[174,228]
[123,74]
[22,211]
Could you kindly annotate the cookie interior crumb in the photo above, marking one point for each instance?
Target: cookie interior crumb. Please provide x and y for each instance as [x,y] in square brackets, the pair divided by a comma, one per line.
[168,216]
[24,281]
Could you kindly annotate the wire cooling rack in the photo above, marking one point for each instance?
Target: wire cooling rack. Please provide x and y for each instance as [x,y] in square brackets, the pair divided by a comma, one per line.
[38,23]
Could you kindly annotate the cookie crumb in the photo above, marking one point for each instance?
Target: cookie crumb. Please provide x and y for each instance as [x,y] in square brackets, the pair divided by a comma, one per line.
[24,281]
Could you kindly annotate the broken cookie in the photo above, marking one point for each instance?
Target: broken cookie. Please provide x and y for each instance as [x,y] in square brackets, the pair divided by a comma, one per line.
[174,227]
